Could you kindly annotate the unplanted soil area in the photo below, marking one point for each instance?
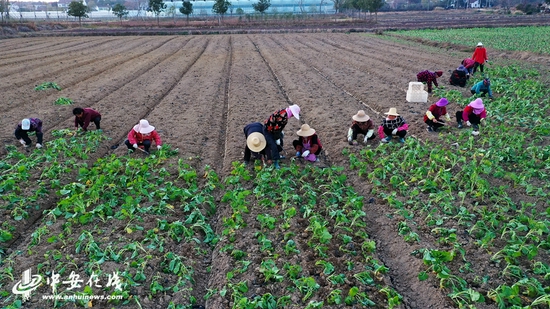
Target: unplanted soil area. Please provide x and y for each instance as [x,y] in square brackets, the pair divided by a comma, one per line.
[199,92]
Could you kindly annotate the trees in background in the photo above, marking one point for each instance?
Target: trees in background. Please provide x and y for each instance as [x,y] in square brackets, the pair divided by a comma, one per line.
[220,7]
[187,9]
[261,6]
[120,11]
[77,9]
[156,6]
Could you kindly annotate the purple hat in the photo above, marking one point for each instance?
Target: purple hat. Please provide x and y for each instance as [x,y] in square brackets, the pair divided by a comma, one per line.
[442,102]
[477,103]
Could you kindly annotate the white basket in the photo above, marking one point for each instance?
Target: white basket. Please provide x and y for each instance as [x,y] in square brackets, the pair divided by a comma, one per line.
[416,93]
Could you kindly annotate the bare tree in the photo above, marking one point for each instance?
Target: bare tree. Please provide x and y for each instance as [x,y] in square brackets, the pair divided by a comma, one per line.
[338,4]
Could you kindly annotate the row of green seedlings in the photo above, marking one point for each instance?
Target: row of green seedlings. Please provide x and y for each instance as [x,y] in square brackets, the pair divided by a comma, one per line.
[283,203]
[119,214]
[447,191]
[53,85]
[22,191]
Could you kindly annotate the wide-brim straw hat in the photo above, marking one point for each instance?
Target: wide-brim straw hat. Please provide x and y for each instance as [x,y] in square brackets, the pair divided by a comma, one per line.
[361,116]
[144,127]
[256,141]
[392,112]
[305,131]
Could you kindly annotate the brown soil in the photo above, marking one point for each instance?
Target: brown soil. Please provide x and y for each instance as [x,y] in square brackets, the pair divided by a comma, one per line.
[200,91]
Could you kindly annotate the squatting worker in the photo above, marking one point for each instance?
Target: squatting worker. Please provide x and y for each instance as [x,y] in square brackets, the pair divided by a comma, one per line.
[256,143]
[141,136]
[274,126]
[29,125]
[429,77]
[83,117]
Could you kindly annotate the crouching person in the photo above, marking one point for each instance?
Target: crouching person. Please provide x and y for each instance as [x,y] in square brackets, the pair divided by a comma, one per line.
[473,114]
[393,125]
[29,125]
[308,145]
[433,116]
[362,124]
[141,137]
[255,143]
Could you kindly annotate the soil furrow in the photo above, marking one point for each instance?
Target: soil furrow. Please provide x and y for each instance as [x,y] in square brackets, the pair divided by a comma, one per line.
[222,147]
[39,47]
[41,60]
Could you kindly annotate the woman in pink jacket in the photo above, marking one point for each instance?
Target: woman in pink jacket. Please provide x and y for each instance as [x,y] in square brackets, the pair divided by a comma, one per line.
[141,136]
[480,57]
[473,115]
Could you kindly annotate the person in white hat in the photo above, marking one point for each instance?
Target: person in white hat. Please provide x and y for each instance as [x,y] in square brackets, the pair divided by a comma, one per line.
[274,126]
[393,125]
[479,57]
[308,145]
[362,124]
[255,143]
[29,125]
[141,136]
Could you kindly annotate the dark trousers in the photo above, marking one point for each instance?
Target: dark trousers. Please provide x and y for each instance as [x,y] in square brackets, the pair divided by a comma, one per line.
[357,130]
[146,145]
[483,92]
[274,149]
[96,121]
[476,65]
[435,125]
[25,136]
[473,118]
[401,133]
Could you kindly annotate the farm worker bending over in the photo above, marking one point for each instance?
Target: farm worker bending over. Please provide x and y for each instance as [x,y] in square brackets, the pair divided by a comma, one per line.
[429,77]
[468,63]
[392,125]
[142,135]
[459,77]
[255,142]
[83,117]
[473,114]
[274,126]
[434,113]
[362,124]
[479,57]
[29,125]
[308,145]
[483,87]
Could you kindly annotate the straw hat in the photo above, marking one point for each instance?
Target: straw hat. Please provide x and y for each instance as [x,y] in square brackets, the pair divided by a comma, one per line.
[144,127]
[25,124]
[479,44]
[256,141]
[305,131]
[361,116]
[392,112]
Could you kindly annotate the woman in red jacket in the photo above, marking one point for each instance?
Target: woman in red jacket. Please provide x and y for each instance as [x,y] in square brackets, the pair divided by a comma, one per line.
[142,135]
[480,57]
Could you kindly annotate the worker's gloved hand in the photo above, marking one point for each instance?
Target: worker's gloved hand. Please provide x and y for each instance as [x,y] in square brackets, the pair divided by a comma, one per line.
[278,142]
[38,146]
[22,142]
[305,153]
[349,138]
[159,147]
[394,132]
[298,153]
[468,123]
[366,138]
[135,146]
[276,164]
